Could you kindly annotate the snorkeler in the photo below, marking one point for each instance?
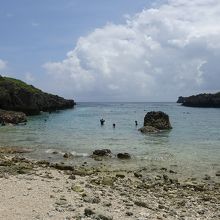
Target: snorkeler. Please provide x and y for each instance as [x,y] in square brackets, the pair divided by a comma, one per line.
[102,121]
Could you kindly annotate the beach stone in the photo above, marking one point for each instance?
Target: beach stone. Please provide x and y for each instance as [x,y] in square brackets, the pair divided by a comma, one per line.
[129,213]
[67,155]
[108,180]
[217,173]
[207,177]
[72,177]
[88,212]
[119,175]
[102,152]
[141,204]
[137,174]
[158,120]
[104,217]
[62,166]
[123,156]
[77,188]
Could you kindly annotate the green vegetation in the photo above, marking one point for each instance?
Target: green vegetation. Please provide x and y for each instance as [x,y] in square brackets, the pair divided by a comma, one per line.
[19,84]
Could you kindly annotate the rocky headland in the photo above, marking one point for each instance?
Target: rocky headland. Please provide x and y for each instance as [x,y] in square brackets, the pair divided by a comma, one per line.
[201,100]
[15,95]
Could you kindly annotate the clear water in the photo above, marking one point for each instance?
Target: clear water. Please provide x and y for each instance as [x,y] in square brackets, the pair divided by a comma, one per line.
[193,144]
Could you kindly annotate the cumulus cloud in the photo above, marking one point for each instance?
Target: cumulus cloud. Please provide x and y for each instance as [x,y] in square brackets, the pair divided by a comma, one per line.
[158,54]
[3,64]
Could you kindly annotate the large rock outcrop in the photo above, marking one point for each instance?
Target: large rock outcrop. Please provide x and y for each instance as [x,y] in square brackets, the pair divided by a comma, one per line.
[201,100]
[155,122]
[16,95]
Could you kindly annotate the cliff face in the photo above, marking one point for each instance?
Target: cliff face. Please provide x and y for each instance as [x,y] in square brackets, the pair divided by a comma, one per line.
[16,95]
[201,100]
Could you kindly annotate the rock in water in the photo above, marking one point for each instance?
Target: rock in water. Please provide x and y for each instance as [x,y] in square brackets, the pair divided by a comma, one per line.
[148,129]
[124,156]
[16,95]
[102,152]
[159,120]
[155,121]
[10,117]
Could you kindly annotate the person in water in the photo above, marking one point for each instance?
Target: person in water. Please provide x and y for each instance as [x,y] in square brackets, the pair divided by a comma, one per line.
[102,121]
[136,123]
[114,125]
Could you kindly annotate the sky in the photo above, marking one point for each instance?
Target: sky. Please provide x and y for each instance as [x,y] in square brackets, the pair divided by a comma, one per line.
[118,50]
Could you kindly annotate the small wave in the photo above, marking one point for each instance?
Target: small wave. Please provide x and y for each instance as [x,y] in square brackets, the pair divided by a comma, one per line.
[79,154]
[54,151]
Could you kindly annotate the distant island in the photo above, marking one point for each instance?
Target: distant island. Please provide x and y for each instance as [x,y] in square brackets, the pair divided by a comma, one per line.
[201,100]
[17,96]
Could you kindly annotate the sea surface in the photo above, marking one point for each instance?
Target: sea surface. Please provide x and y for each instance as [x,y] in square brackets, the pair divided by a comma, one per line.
[192,146]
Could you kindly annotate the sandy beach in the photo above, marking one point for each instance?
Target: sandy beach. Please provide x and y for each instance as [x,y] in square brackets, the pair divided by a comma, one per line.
[42,190]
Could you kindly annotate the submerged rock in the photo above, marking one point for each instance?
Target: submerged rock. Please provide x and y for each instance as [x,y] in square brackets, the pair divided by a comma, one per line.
[102,152]
[14,150]
[62,167]
[68,155]
[124,156]
[11,117]
[148,129]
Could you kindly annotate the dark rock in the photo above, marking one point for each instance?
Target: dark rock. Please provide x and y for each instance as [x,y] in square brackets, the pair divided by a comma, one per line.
[180,99]
[201,100]
[62,166]
[67,155]
[124,156]
[72,177]
[129,213]
[103,217]
[16,95]
[141,204]
[148,129]
[88,212]
[102,152]
[158,120]
[119,175]
[11,117]
[217,173]
[14,150]
[138,175]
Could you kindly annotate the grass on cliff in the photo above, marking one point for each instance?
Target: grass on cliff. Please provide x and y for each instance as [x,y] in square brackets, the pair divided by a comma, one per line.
[19,84]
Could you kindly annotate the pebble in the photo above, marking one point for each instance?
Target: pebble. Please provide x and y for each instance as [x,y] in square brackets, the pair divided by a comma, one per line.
[88,212]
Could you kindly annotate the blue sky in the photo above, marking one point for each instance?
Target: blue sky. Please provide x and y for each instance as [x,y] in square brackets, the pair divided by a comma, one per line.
[34,32]
[118,50]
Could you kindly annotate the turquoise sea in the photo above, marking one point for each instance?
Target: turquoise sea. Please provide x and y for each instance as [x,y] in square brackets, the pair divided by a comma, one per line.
[192,146]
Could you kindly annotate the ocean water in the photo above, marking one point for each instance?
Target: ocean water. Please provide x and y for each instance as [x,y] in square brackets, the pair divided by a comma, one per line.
[193,145]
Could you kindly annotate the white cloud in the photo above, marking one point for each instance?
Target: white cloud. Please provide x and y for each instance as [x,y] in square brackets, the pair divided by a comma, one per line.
[158,54]
[3,64]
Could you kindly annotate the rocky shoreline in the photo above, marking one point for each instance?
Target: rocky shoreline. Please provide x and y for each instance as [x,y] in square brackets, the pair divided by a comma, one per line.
[204,100]
[34,189]
[18,97]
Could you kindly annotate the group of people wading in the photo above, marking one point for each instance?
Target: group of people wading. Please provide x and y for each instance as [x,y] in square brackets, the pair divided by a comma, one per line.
[102,122]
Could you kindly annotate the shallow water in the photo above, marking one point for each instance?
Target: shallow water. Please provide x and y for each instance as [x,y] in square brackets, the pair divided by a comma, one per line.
[193,145]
